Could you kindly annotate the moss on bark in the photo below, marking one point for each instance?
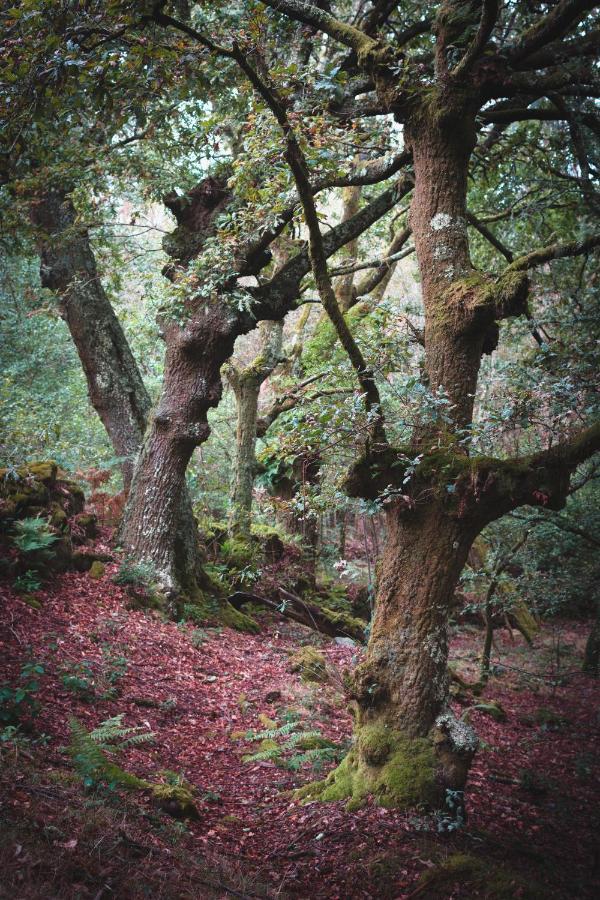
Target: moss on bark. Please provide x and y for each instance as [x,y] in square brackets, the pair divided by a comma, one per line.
[395,770]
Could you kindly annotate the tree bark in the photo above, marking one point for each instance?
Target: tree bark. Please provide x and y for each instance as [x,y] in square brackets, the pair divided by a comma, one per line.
[68,267]
[116,389]
[246,383]
[591,659]
[191,386]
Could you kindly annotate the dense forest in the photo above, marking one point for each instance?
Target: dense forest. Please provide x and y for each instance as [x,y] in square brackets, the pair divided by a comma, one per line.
[299,449]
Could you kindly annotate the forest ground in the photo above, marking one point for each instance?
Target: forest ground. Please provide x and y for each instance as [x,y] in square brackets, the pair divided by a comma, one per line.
[533,792]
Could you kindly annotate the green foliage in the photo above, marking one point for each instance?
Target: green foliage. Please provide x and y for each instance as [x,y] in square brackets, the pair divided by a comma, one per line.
[292,746]
[33,534]
[27,582]
[91,680]
[90,752]
[17,700]
[79,678]
[135,573]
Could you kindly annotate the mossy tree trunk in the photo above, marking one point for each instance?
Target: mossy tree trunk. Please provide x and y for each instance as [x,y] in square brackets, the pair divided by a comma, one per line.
[191,386]
[246,382]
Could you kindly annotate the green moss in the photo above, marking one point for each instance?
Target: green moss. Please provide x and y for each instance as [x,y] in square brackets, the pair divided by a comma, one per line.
[310,664]
[204,608]
[348,625]
[176,799]
[397,771]
[472,875]
[238,552]
[238,620]
[313,742]
[97,569]
[58,517]
[524,621]
[262,532]
[212,529]
[31,601]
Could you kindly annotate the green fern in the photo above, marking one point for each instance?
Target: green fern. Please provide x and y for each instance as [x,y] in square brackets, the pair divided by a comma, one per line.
[89,749]
[305,746]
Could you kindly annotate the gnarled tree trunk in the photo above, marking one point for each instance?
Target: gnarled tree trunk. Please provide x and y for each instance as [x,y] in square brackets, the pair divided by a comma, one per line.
[192,385]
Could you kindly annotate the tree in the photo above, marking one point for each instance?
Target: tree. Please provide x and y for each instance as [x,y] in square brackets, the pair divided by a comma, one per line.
[400,690]
[246,382]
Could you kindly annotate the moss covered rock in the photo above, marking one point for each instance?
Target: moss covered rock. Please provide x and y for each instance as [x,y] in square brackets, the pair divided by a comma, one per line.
[97,569]
[176,799]
[493,709]
[310,664]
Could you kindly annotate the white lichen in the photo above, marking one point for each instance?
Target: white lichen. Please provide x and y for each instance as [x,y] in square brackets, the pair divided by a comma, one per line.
[462,736]
[441,220]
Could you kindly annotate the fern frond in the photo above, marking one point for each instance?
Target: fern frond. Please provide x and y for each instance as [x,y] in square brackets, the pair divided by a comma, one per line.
[88,752]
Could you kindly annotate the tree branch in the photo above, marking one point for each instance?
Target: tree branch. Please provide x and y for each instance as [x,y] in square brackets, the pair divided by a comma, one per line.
[554,251]
[318,256]
[309,14]
[551,27]
[489,15]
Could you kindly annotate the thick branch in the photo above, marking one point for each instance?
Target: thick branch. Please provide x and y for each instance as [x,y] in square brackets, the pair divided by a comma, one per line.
[309,14]
[552,27]
[554,251]
[489,14]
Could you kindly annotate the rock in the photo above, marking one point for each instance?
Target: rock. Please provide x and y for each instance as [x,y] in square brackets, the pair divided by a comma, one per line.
[272,696]
[345,642]
[97,569]
[310,664]
[176,800]
[492,709]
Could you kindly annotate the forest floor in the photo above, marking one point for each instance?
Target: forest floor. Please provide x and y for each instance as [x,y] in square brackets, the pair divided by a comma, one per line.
[533,794]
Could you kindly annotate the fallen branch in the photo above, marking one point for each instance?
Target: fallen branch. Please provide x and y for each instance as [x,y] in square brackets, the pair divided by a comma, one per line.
[325,621]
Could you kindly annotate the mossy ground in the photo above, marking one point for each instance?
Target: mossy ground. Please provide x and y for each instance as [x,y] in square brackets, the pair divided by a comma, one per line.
[478,877]
[396,771]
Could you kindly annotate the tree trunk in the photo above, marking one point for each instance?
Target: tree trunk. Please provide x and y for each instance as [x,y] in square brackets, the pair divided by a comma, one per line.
[246,391]
[115,386]
[116,389]
[246,383]
[191,386]
[409,749]
[591,660]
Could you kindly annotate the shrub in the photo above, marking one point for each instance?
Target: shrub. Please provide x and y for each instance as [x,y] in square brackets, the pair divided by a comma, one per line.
[33,534]
[18,702]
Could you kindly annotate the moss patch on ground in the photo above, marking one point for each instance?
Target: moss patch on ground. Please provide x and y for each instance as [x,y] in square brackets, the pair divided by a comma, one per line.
[471,874]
